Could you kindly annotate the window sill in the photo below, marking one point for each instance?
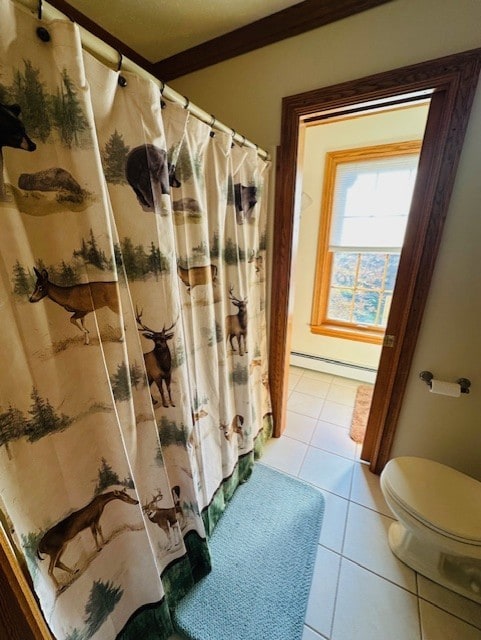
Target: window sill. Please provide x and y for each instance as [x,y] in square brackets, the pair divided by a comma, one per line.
[347,333]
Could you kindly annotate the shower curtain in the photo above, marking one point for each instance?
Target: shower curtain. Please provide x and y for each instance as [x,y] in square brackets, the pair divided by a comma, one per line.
[133,393]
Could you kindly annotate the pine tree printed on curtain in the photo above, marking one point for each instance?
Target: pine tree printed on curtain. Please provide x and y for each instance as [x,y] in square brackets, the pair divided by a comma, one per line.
[46,113]
[136,395]
[114,157]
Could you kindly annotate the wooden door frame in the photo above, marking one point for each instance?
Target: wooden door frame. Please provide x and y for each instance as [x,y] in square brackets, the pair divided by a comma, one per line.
[452,81]
[20,615]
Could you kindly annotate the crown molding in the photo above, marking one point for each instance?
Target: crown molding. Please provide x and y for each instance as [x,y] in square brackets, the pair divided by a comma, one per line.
[289,22]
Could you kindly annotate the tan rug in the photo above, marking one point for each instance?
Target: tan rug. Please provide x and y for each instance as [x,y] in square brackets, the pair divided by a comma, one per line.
[361,412]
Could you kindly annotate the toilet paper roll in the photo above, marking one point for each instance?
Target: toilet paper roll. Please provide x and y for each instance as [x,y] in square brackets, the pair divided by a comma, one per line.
[443,388]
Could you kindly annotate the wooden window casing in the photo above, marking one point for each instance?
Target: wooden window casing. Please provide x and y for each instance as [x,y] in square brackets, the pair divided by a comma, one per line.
[320,323]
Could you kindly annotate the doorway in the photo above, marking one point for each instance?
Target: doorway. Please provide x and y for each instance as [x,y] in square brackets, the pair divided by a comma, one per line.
[450,84]
[358,174]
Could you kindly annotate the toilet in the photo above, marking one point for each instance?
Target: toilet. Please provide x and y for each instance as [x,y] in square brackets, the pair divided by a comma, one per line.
[438,528]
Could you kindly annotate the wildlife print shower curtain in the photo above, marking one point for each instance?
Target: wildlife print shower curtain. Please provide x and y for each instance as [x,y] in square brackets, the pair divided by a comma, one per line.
[134,393]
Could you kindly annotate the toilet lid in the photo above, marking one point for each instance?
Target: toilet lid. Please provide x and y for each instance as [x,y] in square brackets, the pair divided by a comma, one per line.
[444,499]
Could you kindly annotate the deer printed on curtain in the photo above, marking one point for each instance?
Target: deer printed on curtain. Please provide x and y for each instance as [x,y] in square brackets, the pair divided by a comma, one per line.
[131,407]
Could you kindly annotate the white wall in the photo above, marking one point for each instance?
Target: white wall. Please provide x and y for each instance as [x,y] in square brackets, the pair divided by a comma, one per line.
[381,128]
[246,93]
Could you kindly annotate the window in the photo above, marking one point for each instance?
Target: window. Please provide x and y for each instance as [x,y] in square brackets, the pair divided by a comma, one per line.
[365,206]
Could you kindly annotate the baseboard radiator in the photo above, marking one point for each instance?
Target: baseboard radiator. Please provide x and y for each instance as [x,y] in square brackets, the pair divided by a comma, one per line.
[334,367]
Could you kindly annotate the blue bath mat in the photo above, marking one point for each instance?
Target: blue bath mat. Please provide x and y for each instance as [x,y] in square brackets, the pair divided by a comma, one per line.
[263,552]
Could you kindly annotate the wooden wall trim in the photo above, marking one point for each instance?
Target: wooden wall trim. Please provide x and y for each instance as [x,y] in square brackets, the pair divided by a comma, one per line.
[286,229]
[454,79]
[442,150]
[289,22]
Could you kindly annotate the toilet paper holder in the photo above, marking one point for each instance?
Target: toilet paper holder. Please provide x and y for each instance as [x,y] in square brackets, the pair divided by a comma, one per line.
[464,383]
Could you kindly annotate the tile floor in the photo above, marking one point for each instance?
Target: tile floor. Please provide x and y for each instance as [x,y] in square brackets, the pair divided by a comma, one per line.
[360,591]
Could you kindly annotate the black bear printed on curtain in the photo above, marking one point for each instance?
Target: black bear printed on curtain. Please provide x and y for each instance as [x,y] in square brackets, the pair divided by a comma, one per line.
[150,175]
[31,116]
[12,134]
[245,198]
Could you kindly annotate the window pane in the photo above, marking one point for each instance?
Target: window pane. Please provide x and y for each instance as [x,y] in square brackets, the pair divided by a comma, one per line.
[371,270]
[340,302]
[392,267]
[371,201]
[361,287]
[344,269]
[366,305]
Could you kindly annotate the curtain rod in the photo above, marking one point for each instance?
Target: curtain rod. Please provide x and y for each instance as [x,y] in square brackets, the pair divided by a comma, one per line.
[107,53]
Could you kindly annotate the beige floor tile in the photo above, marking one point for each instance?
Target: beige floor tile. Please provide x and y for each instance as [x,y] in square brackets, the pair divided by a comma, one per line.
[305,404]
[285,454]
[342,393]
[318,375]
[450,601]
[366,544]
[437,624]
[313,387]
[309,634]
[322,597]
[333,522]
[292,381]
[347,382]
[340,414]
[371,608]
[299,427]
[330,437]
[367,491]
[327,471]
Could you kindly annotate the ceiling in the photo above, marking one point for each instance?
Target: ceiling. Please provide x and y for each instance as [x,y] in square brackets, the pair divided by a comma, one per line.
[158,29]
[170,38]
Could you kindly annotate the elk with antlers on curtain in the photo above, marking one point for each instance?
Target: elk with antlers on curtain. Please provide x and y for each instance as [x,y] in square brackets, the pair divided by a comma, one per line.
[135,396]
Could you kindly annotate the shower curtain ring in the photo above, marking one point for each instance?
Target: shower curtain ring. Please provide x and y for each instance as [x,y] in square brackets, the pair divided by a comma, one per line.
[234,133]
[39,9]
[211,125]
[163,103]
[122,81]
[243,141]
[187,102]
